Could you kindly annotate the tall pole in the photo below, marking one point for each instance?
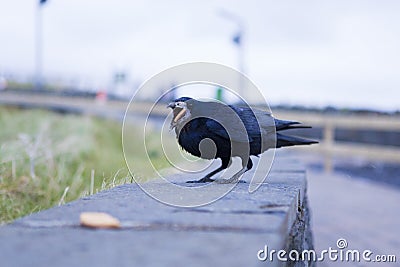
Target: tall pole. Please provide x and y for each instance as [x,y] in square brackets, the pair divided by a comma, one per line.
[241,63]
[38,47]
[238,40]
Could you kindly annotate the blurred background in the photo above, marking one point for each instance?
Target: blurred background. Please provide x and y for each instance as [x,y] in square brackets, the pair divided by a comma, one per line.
[69,68]
[341,53]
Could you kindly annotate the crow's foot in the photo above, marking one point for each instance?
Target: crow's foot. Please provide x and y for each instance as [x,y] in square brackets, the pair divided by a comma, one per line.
[234,179]
[202,180]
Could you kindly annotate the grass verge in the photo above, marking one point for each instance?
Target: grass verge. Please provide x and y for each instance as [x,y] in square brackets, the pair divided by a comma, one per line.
[48,159]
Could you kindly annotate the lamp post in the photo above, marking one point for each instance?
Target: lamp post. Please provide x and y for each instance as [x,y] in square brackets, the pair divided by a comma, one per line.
[39,46]
[238,40]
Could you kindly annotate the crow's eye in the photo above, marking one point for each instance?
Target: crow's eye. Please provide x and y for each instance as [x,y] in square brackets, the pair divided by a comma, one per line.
[180,105]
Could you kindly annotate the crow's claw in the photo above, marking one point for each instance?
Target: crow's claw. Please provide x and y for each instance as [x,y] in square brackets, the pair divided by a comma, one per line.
[202,180]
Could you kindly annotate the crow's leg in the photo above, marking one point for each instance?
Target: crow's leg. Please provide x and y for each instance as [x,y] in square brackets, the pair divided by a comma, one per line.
[235,178]
[207,178]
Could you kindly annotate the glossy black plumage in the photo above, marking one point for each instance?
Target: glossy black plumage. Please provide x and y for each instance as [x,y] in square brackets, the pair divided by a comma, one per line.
[213,130]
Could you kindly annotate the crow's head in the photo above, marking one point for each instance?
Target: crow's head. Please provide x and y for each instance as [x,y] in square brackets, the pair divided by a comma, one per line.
[181,111]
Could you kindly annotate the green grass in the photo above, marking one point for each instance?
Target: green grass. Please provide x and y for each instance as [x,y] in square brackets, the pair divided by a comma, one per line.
[47,159]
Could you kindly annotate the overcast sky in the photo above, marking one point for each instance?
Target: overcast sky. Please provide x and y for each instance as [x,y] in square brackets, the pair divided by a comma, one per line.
[338,52]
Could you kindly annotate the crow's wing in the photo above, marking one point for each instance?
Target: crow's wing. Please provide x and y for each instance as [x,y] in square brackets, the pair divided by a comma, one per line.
[228,131]
[257,121]
[222,120]
[239,124]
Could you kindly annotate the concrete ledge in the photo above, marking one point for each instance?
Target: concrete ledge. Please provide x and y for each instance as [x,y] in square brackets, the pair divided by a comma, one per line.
[228,232]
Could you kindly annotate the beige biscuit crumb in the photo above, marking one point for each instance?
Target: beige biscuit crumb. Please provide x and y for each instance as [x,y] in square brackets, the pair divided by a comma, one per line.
[98,220]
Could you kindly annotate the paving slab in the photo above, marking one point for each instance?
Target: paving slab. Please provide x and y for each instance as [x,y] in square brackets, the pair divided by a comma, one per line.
[363,213]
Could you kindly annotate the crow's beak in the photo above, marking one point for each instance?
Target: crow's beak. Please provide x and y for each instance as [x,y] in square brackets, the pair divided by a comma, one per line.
[171,105]
[180,115]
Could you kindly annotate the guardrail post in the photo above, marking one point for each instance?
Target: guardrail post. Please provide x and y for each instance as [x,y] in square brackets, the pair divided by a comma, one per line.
[328,143]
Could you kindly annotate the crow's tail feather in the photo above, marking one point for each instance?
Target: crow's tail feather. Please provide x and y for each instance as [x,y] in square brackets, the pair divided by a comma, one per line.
[288,127]
[286,140]
[282,125]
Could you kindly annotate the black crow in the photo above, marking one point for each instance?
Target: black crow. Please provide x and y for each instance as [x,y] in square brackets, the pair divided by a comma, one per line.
[214,130]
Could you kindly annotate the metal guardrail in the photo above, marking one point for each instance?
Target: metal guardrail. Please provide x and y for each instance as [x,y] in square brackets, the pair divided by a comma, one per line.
[331,147]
